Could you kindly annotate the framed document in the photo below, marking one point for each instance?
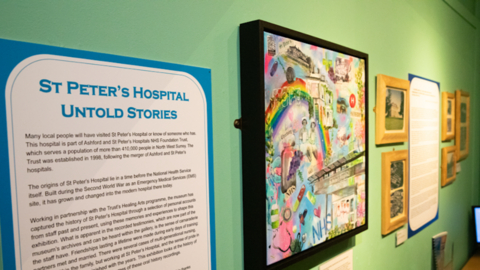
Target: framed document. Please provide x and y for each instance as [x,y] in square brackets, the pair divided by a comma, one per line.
[391,119]
[449,165]
[394,190]
[448,116]
[462,124]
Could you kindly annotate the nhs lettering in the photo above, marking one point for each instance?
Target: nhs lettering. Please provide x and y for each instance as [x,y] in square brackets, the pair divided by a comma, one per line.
[322,220]
[320,228]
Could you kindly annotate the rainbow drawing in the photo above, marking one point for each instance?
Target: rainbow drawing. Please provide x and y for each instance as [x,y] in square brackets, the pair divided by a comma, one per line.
[276,112]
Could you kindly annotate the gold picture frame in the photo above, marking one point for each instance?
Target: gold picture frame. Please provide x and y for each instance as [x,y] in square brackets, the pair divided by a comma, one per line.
[391,121]
[394,190]
[449,165]
[462,124]
[448,116]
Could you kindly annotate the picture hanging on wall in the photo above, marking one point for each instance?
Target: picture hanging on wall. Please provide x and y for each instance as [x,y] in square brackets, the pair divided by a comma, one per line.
[462,124]
[448,116]
[304,144]
[449,164]
[391,110]
[394,190]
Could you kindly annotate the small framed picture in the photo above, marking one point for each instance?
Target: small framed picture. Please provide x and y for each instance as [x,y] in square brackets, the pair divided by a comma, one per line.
[391,110]
[462,124]
[448,116]
[449,165]
[394,190]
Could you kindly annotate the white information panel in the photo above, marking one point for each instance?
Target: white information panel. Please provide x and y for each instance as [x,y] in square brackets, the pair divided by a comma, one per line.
[342,261]
[423,153]
[109,166]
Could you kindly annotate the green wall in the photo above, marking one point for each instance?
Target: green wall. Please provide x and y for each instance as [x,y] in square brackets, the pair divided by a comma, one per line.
[426,38]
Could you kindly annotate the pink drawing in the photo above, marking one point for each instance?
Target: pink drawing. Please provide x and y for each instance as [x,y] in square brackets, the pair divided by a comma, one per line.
[317,212]
[268,58]
[290,115]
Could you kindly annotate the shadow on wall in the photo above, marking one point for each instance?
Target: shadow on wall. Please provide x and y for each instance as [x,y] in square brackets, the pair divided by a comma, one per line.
[315,260]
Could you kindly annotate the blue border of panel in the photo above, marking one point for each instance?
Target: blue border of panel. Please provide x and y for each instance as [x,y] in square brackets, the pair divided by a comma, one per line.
[410,231]
[14,52]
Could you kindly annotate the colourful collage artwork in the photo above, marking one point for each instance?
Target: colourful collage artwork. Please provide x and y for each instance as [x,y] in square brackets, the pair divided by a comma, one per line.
[314,145]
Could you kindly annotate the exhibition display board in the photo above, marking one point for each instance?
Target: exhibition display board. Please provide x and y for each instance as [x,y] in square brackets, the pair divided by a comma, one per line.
[110,161]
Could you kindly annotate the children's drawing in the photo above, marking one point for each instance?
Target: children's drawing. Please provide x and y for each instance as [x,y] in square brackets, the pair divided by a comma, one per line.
[314,144]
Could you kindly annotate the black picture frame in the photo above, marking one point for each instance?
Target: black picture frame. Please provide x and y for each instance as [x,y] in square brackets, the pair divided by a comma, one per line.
[252,125]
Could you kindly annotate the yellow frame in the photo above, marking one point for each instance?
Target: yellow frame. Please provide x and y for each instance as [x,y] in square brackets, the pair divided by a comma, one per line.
[445,97]
[461,155]
[445,151]
[390,224]
[382,136]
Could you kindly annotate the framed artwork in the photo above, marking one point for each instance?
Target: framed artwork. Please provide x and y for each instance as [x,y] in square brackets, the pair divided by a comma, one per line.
[449,165]
[448,116]
[391,120]
[304,144]
[394,190]
[462,124]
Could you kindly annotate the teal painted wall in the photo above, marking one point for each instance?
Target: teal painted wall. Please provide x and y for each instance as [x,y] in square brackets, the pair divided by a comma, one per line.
[426,38]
